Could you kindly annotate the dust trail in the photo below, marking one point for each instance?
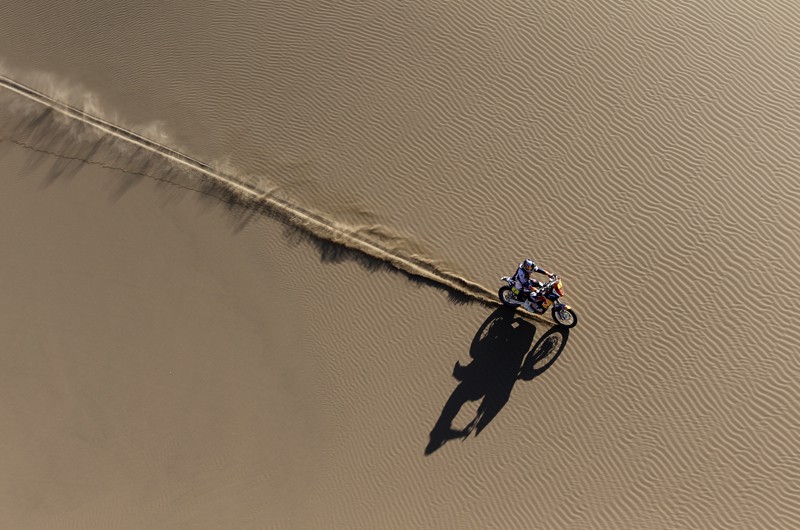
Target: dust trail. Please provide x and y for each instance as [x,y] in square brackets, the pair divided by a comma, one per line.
[299,217]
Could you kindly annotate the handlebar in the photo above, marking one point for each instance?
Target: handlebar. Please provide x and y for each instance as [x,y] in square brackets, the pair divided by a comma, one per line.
[553,279]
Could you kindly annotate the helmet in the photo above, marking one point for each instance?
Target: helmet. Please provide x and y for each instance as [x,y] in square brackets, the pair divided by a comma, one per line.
[527,265]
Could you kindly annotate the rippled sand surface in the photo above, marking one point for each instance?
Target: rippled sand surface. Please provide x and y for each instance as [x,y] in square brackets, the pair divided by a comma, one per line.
[174,360]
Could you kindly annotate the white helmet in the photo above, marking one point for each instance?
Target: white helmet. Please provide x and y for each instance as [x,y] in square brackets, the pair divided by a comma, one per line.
[528,265]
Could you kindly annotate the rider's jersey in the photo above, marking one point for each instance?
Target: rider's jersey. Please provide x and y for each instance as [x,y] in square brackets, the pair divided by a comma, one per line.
[522,279]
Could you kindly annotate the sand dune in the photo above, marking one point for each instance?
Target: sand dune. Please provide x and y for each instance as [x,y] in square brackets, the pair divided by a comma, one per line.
[646,153]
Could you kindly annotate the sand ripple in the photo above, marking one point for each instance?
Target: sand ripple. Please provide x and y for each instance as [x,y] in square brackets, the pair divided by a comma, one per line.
[648,152]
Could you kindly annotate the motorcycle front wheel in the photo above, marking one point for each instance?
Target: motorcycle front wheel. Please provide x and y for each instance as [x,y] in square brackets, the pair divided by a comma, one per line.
[565,316]
[506,296]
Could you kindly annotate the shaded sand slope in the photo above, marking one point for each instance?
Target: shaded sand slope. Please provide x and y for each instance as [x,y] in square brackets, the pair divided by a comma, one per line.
[167,368]
[138,383]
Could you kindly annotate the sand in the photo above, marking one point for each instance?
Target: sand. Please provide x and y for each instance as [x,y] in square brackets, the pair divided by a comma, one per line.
[172,360]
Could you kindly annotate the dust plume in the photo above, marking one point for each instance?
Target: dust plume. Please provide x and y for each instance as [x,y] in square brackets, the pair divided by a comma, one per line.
[98,132]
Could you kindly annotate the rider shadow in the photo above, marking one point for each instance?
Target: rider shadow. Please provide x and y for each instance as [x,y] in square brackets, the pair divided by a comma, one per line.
[501,354]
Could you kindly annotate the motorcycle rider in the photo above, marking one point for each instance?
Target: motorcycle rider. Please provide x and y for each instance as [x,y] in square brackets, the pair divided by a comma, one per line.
[523,283]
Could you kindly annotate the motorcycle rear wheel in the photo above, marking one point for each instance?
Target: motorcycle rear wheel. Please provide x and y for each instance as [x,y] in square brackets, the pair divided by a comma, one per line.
[565,317]
[505,294]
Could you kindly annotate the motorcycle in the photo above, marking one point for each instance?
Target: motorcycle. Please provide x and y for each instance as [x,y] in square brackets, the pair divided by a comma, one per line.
[540,300]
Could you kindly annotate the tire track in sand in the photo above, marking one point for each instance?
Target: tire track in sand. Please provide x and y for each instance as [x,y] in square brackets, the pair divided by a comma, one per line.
[297,216]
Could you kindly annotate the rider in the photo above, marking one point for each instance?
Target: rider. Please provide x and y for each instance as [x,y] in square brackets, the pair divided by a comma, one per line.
[522,278]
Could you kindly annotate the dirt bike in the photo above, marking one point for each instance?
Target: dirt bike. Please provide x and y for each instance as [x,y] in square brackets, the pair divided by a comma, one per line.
[538,301]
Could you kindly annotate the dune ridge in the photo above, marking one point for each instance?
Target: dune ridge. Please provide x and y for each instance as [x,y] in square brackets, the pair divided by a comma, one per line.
[249,195]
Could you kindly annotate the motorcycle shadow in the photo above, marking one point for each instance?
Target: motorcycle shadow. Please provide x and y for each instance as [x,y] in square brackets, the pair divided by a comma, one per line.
[501,354]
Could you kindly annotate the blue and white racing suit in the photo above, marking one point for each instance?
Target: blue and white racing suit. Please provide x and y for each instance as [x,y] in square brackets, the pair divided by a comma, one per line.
[523,280]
